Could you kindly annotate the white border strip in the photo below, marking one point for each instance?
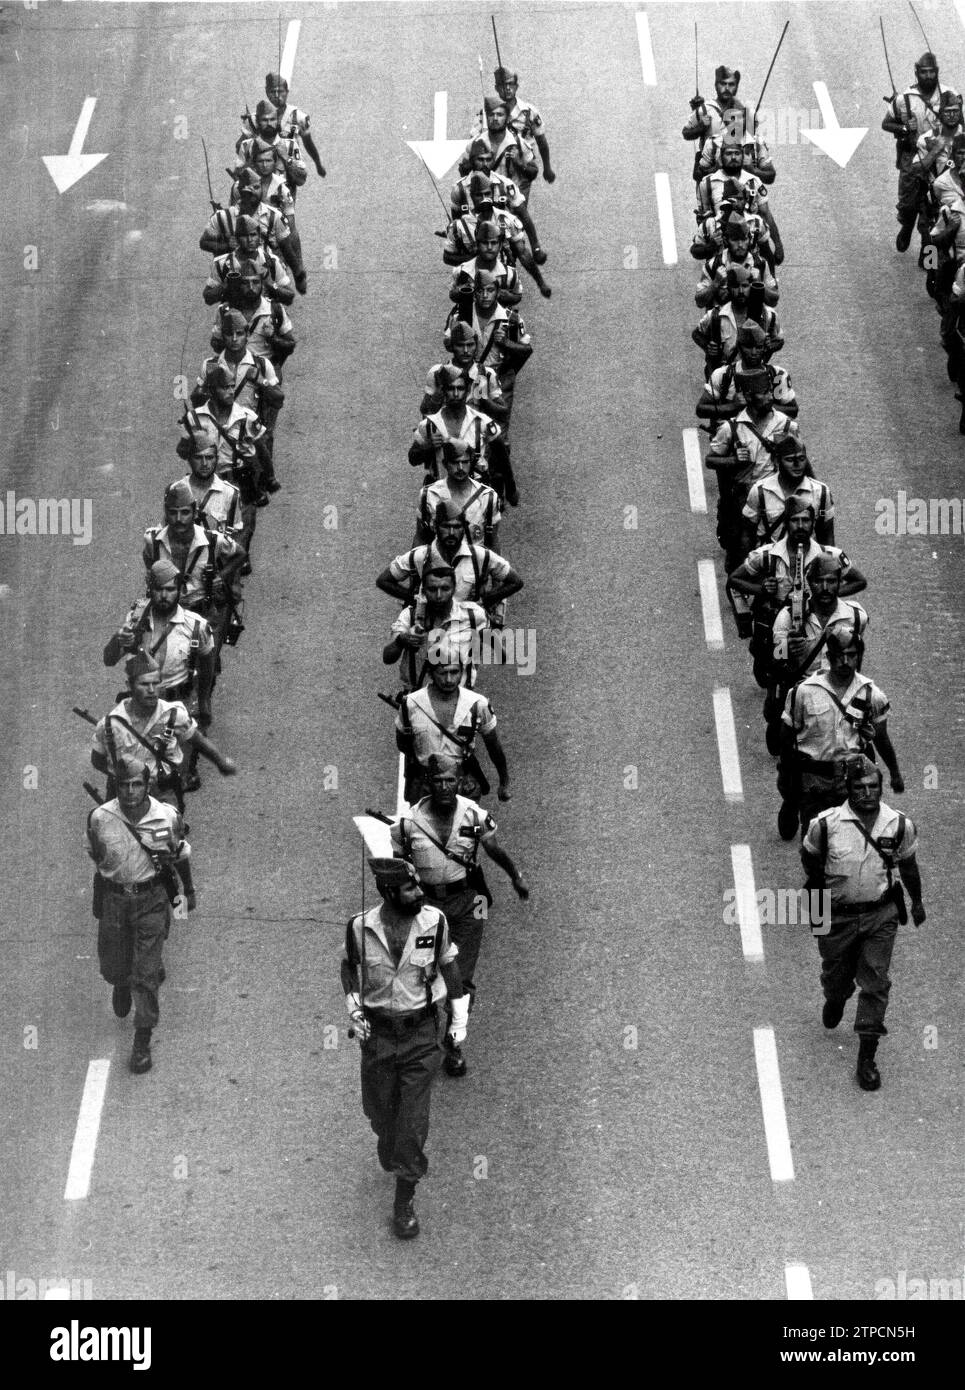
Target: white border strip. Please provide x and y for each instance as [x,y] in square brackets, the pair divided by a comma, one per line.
[752,943]
[695,470]
[646,49]
[668,238]
[798,1277]
[710,605]
[730,771]
[88,1125]
[772,1106]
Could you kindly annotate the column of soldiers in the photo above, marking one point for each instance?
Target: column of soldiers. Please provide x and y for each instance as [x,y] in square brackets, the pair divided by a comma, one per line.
[408,966]
[926,122]
[195,559]
[790,586]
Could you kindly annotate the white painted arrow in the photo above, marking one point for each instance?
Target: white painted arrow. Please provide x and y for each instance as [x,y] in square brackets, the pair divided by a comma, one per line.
[439,153]
[66,169]
[840,142]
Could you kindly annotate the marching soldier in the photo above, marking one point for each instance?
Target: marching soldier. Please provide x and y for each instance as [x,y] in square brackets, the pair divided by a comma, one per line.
[476,502]
[501,338]
[293,123]
[912,113]
[716,333]
[766,504]
[136,843]
[267,327]
[526,122]
[155,730]
[482,575]
[457,420]
[397,966]
[486,257]
[275,190]
[444,717]
[510,157]
[288,162]
[859,853]
[712,286]
[242,458]
[275,281]
[442,836]
[248,378]
[461,237]
[756,156]
[218,503]
[722,115]
[505,195]
[720,398]
[828,717]
[933,156]
[485,393]
[432,617]
[220,235]
[715,189]
[179,641]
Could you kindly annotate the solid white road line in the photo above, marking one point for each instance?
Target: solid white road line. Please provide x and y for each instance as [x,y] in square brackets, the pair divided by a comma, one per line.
[960,7]
[798,1281]
[695,470]
[88,1125]
[668,239]
[646,49]
[747,915]
[710,604]
[772,1106]
[730,770]
[288,52]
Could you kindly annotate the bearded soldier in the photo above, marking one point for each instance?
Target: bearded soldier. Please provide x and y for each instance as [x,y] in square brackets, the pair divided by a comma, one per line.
[912,113]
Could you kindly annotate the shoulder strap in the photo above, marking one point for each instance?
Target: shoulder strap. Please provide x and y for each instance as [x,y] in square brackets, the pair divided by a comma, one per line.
[448,853]
[170,717]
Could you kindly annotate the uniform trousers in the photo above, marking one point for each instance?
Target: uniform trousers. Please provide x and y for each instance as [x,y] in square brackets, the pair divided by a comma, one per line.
[858,950]
[398,1068]
[466,914]
[130,936]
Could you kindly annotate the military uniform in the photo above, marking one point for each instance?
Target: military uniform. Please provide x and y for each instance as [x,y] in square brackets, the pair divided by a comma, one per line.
[219,504]
[474,565]
[166,729]
[827,726]
[458,629]
[176,645]
[277,281]
[473,427]
[454,734]
[480,510]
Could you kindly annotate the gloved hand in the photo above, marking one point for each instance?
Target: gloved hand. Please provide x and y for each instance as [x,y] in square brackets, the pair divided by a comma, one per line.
[459,1020]
[363,1028]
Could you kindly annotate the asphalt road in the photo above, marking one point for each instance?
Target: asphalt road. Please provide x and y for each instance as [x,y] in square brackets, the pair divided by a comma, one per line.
[608,1142]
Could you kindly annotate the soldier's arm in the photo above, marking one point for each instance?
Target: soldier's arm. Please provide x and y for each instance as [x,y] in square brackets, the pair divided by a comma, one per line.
[226,766]
[884,746]
[312,151]
[499,856]
[543,145]
[911,875]
[100,761]
[495,750]
[746,580]
[852,581]
[387,582]
[510,584]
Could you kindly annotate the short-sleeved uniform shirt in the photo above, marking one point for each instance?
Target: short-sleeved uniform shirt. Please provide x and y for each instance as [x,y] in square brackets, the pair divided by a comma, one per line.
[767,499]
[274,228]
[481,512]
[741,433]
[854,870]
[845,613]
[458,630]
[471,714]
[123,860]
[474,428]
[219,504]
[722,386]
[473,564]
[170,716]
[173,643]
[398,987]
[483,383]
[248,375]
[783,564]
[505,193]
[272,269]
[240,421]
[824,730]
[471,824]
[157,546]
[287,153]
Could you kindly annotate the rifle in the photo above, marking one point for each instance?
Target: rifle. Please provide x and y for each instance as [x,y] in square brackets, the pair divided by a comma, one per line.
[769,71]
[438,195]
[215,207]
[492,20]
[797,594]
[379,815]
[894,89]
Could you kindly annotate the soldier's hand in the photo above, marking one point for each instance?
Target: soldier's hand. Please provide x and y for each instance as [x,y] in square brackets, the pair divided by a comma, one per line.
[897,782]
[503,792]
[742,454]
[191,899]
[320,167]
[228,767]
[911,125]
[353,1006]
[522,890]
[770,585]
[548,174]
[918,913]
[459,1019]
[412,640]
[797,646]
[125,635]
[696,102]
[545,290]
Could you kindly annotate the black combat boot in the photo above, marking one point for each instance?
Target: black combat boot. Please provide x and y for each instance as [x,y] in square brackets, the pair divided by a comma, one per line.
[903,239]
[141,1052]
[869,1078]
[403,1213]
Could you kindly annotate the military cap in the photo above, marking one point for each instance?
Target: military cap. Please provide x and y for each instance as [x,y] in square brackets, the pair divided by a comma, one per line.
[179,494]
[246,226]
[392,873]
[736,275]
[754,380]
[927,60]
[486,228]
[493,104]
[858,766]
[722,72]
[462,332]
[797,506]
[453,449]
[842,636]
[479,146]
[787,446]
[735,192]
[950,99]
[480,186]
[751,334]
[140,664]
[259,146]
[824,567]
[249,269]
[447,511]
[129,766]
[266,109]
[735,226]
[163,572]
[249,181]
[231,321]
[442,762]
[450,375]
[505,74]
[731,142]
[216,374]
[275,79]
[484,279]
[202,437]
